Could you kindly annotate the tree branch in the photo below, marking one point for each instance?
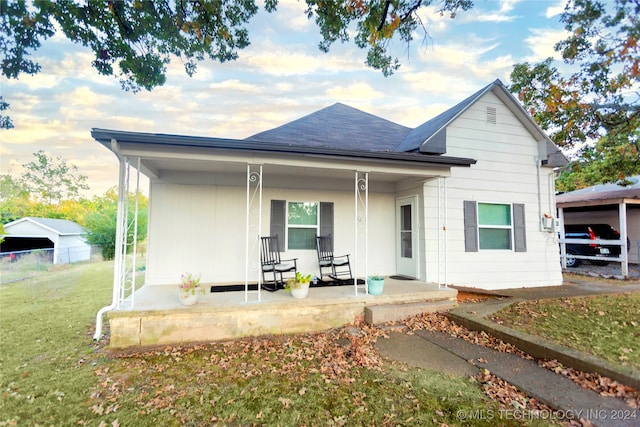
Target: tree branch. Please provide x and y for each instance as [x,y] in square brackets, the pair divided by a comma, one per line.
[383,19]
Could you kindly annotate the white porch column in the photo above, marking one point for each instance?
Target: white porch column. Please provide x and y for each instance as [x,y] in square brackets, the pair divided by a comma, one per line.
[253,227]
[563,245]
[624,255]
[127,235]
[361,226]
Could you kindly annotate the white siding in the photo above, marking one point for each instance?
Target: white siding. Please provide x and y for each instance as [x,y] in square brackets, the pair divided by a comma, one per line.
[72,249]
[201,229]
[505,172]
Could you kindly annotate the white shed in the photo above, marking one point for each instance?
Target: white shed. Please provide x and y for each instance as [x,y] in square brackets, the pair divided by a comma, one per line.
[66,238]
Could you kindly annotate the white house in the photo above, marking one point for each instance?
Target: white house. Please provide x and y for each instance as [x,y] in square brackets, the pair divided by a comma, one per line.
[65,238]
[460,200]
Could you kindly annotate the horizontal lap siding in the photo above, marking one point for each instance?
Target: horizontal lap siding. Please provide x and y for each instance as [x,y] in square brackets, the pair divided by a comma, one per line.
[201,229]
[505,172]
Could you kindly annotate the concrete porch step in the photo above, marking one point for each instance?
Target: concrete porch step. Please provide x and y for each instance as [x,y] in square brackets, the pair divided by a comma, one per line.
[377,314]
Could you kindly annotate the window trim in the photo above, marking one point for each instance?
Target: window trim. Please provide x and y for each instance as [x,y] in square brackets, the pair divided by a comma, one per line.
[277,222]
[510,227]
[316,227]
[471,234]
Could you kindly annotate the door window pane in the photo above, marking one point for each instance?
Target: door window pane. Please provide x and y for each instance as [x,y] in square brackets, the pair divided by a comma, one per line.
[406,234]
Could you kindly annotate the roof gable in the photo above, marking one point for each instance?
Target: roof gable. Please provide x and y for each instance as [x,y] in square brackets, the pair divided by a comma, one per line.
[422,134]
[430,137]
[337,126]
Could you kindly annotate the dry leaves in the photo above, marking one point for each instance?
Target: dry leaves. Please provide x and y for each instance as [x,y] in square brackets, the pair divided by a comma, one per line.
[335,354]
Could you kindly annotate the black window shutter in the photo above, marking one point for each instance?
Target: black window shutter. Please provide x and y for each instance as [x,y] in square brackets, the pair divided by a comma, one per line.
[519,228]
[470,227]
[278,221]
[326,220]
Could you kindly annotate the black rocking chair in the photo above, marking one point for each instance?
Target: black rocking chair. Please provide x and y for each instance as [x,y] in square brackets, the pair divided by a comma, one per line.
[272,264]
[339,266]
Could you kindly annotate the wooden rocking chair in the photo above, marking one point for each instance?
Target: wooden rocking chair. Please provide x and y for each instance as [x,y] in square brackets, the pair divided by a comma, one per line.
[339,266]
[271,264]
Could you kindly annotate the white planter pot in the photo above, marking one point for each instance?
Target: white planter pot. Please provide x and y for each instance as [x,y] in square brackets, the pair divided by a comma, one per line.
[189,298]
[300,292]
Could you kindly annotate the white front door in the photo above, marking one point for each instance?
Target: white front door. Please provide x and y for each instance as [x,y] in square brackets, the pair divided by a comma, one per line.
[407,236]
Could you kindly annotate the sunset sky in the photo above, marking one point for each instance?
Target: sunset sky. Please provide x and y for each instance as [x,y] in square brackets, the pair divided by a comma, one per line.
[280,77]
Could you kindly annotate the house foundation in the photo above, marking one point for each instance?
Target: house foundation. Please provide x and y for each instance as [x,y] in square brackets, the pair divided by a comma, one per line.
[160,319]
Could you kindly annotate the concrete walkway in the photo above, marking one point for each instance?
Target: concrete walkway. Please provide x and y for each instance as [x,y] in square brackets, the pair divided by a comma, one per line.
[455,356]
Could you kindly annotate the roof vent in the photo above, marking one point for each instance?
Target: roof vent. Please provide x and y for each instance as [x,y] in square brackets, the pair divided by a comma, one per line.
[491,115]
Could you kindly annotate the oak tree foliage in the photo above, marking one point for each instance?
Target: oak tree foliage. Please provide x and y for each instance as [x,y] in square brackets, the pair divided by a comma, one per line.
[134,40]
[593,109]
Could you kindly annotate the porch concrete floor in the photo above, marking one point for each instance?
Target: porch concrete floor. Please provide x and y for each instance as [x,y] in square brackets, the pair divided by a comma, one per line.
[159,318]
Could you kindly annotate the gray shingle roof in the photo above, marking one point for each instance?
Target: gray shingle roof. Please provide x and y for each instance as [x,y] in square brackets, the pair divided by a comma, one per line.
[602,192]
[337,126]
[422,133]
[61,226]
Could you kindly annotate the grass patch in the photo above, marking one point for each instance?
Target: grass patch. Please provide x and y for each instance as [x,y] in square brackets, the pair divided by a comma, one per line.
[606,326]
[51,373]
[45,334]
[284,381]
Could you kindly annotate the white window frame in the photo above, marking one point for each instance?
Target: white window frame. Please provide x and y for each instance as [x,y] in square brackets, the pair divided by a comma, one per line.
[287,225]
[496,227]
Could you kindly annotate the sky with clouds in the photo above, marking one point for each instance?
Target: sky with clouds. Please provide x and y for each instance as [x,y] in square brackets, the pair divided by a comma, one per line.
[280,77]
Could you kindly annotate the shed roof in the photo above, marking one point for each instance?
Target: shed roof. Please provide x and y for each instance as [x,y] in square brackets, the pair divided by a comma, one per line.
[602,194]
[62,227]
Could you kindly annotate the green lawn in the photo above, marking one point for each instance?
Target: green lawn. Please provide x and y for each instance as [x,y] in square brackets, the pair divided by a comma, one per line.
[606,326]
[46,372]
[51,372]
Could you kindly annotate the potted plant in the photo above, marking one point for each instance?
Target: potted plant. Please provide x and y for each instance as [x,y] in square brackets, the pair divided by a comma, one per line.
[189,288]
[298,286]
[375,284]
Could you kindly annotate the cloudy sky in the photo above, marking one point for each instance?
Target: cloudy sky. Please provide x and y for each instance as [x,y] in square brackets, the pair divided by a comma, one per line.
[280,77]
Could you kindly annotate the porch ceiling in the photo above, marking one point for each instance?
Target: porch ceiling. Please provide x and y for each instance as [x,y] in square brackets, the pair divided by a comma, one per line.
[159,168]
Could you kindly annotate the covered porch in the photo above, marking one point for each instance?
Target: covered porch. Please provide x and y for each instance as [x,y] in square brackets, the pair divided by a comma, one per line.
[209,206]
[159,319]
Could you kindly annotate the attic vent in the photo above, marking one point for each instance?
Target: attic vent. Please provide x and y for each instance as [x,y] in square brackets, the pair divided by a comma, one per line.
[491,115]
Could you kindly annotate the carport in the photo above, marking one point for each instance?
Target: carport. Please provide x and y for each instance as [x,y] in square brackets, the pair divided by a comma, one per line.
[612,204]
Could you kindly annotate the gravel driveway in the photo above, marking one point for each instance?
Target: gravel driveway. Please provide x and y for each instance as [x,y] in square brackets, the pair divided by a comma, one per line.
[613,270]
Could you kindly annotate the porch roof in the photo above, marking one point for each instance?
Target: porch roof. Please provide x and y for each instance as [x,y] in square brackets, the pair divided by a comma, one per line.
[150,142]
